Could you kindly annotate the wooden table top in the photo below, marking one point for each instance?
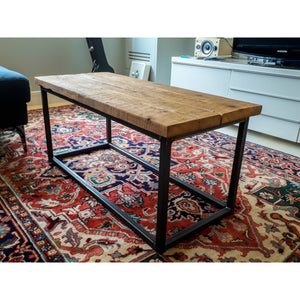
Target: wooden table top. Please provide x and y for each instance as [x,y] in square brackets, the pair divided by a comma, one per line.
[161,109]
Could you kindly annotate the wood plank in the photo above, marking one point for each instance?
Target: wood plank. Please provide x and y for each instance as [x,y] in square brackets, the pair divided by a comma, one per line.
[229,109]
[161,109]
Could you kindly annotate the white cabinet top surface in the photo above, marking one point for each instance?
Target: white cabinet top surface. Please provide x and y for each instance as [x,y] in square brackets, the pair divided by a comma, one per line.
[238,65]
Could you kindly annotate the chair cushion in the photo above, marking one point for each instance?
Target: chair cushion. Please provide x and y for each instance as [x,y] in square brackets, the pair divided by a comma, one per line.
[14,87]
[12,115]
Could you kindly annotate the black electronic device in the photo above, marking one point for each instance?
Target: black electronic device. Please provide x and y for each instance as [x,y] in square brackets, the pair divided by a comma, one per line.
[285,50]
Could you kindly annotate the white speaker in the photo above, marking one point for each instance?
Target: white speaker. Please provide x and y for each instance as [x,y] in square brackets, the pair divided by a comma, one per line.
[210,47]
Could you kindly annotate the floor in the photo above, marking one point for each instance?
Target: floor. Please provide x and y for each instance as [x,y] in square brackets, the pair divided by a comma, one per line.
[252,136]
[266,140]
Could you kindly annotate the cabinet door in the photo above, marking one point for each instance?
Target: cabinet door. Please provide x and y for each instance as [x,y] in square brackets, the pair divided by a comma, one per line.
[280,108]
[275,127]
[201,79]
[265,84]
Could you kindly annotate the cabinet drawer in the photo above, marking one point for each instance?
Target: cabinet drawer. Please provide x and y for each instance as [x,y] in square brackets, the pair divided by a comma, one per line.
[201,79]
[275,107]
[275,127]
[270,85]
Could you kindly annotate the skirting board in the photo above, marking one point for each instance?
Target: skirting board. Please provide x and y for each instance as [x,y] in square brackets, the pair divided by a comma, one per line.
[36,99]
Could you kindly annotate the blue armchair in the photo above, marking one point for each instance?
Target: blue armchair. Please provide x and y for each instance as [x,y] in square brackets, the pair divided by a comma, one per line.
[14,95]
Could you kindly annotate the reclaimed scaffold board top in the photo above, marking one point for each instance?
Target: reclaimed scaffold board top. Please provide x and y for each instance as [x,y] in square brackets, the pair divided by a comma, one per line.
[164,110]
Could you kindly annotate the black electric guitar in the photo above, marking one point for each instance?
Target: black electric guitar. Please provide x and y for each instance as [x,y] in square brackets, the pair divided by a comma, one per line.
[98,56]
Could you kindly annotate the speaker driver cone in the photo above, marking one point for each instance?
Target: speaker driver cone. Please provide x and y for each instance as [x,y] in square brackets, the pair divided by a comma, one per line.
[206,48]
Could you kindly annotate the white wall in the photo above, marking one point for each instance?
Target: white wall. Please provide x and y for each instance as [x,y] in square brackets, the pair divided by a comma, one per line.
[115,53]
[48,56]
[44,56]
[52,56]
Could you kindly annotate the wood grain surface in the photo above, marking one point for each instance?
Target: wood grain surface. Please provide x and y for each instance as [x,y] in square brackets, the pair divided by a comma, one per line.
[161,109]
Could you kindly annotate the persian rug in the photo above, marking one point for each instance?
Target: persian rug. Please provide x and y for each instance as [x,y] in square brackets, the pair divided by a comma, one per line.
[47,217]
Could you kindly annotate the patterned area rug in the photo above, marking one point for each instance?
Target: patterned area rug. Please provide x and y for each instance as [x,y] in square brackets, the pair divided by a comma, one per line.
[45,216]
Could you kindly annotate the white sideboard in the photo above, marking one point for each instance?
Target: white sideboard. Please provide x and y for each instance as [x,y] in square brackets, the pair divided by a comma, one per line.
[276,89]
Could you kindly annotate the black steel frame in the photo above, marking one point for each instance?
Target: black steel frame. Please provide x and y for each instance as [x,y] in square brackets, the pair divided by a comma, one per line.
[159,242]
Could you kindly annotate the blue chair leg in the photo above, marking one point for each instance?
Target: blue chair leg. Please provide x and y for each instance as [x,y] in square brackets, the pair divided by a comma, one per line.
[21,131]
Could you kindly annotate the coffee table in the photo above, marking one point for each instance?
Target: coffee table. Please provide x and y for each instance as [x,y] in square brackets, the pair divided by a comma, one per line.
[162,112]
